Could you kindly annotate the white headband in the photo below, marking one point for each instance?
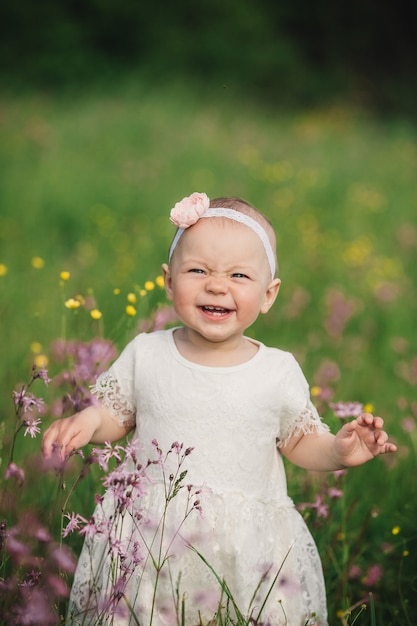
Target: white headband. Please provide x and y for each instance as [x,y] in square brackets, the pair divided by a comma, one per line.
[231,214]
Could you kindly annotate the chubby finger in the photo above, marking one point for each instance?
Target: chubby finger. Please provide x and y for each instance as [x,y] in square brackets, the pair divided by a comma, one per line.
[58,441]
[367,419]
[349,427]
[48,441]
[381,437]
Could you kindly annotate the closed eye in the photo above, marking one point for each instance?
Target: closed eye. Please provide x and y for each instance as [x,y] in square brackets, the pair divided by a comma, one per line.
[239,275]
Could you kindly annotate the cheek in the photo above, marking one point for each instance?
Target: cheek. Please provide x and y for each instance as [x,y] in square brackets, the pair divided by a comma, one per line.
[180,294]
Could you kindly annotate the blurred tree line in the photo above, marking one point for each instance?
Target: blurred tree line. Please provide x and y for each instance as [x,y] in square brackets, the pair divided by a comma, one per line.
[281,51]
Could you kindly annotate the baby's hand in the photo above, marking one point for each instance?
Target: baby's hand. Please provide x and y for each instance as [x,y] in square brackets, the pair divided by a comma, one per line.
[66,435]
[361,440]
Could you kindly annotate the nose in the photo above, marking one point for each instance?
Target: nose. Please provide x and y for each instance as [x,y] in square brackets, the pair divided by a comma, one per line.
[216,285]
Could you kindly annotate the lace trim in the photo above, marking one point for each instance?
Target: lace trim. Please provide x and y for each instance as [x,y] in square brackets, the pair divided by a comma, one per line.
[307,422]
[108,391]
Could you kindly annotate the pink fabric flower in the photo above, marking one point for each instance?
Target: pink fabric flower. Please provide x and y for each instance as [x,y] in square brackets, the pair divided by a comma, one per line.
[189,210]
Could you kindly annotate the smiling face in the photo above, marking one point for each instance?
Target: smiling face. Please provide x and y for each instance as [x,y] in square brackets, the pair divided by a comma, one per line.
[219,281]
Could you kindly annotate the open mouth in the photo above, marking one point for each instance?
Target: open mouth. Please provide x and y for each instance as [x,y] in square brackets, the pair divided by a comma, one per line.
[217,311]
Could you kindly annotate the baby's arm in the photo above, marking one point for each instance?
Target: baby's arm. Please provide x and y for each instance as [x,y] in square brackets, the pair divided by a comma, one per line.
[355,443]
[95,424]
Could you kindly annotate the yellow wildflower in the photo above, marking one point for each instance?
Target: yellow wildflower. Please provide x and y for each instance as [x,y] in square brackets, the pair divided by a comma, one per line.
[72,303]
[38,262]
[116,291]
[149,285]
[96,314]
[368,407]
[142,292]
[406,553]
[159,280]
[396,530]
[316,391]
[36,347]
[131,297]
[3,269]
[41,360]
[64,275]
[130,310]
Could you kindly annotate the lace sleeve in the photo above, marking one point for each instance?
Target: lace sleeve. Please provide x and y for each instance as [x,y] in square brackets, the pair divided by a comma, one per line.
[298,414]
[306,422]
[107,389]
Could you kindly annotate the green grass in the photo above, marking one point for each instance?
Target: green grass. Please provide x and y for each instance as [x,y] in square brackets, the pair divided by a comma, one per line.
[87,182]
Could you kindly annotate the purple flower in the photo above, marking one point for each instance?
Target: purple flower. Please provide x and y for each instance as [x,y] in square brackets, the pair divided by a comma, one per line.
[319,505]
[41,534]
[91,528]
[321,508]
[18,550]
[131,449]
[90,358]
[373,575]
[164,316]
[15,472]
[339,311]
[335,493]
[355,571]
[41,373]
[105,454]
[36,608]
[27,401]
[346,409]
[75,519]
[177,447]
[64,559]
[32,427]
[408,424]
[57,586]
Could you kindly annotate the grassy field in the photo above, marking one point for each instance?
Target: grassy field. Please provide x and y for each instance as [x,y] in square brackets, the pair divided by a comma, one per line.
[87,182]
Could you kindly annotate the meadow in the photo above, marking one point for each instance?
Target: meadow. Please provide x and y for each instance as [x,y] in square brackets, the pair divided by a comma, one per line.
[87,182]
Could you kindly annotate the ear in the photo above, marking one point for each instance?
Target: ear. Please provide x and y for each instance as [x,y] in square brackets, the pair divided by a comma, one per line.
[270,295]
[166,273]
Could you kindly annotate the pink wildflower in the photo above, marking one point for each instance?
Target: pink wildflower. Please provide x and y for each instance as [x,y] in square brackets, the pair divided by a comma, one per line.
[335,493]
[408,424]
[373,575]
[177,447]
[36,608]
[42,373]
[339,310]
[27,401]
[41,534]
[15,472]
[32,427]
[75,519]
[90,529]
[105,454]
[64,559]
[321,508]
[346,409]
[163,317]
[18,550]
[57,585]
[355,571]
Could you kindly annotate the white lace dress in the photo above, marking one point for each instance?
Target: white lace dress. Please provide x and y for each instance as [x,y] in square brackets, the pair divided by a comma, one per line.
[248,531]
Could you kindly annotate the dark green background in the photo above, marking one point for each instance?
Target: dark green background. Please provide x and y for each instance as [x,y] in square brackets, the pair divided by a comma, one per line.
[278,52]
